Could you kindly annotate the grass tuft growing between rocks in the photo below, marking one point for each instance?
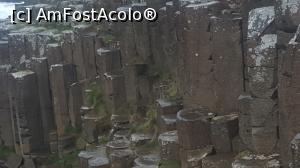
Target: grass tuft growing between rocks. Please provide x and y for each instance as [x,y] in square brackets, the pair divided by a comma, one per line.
[5,152]
[147,124]
[96,100]
[169,164]
[65,161]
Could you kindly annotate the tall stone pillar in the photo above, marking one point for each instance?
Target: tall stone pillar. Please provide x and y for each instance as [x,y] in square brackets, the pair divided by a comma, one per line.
[25,109]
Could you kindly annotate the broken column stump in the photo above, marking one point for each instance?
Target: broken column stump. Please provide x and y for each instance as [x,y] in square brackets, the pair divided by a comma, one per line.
[167,114]
[198,126]
[223,130]
[84,157]
[169,147]
[116,145]
[121,158]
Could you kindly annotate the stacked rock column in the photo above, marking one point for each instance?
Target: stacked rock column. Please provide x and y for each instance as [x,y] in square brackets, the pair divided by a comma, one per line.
[258,110]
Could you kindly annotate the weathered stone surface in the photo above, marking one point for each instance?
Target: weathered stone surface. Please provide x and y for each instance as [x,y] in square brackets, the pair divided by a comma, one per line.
[166,114]
[75,103]
[116,94]
[295,162]
[98,162]
[122,158]
[6,130]
[139,138]
[287,14]
[218,161]
[264,53]
[65,143]
[169,146]
[223,130]
[196,121]
[256,161]
[138,50]
[259,110]
[54,54]
[61,77]
[259,21]
[28,163]
[67,46]
[288,93]
[91,128]
[4,56]
[53,146]
[14,161]
[193,158]
[25,109]
[262,66]
[121,134]
[147,161]
[262,81]
[227,54]
[167,123]
[40,67]
[168,107]
[138,85]
[108,60]
[116,145]
[89,54]
[237,144]
[84,157]
[198,64]
[43,38]
[78,58]
[16,42]
[258,124]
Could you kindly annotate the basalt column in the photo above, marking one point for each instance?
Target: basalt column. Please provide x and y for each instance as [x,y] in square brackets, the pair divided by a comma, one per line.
[287,20]
[288,96]
[40,67]
[136,57]
[6,132]
[61,77]
[25,109]
[258,109]
[213,57]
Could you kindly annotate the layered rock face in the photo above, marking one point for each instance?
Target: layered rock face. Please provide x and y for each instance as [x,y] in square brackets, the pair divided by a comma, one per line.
[210,83]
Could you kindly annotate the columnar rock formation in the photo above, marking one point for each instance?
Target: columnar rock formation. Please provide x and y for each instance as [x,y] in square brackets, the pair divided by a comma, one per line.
[216,82]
